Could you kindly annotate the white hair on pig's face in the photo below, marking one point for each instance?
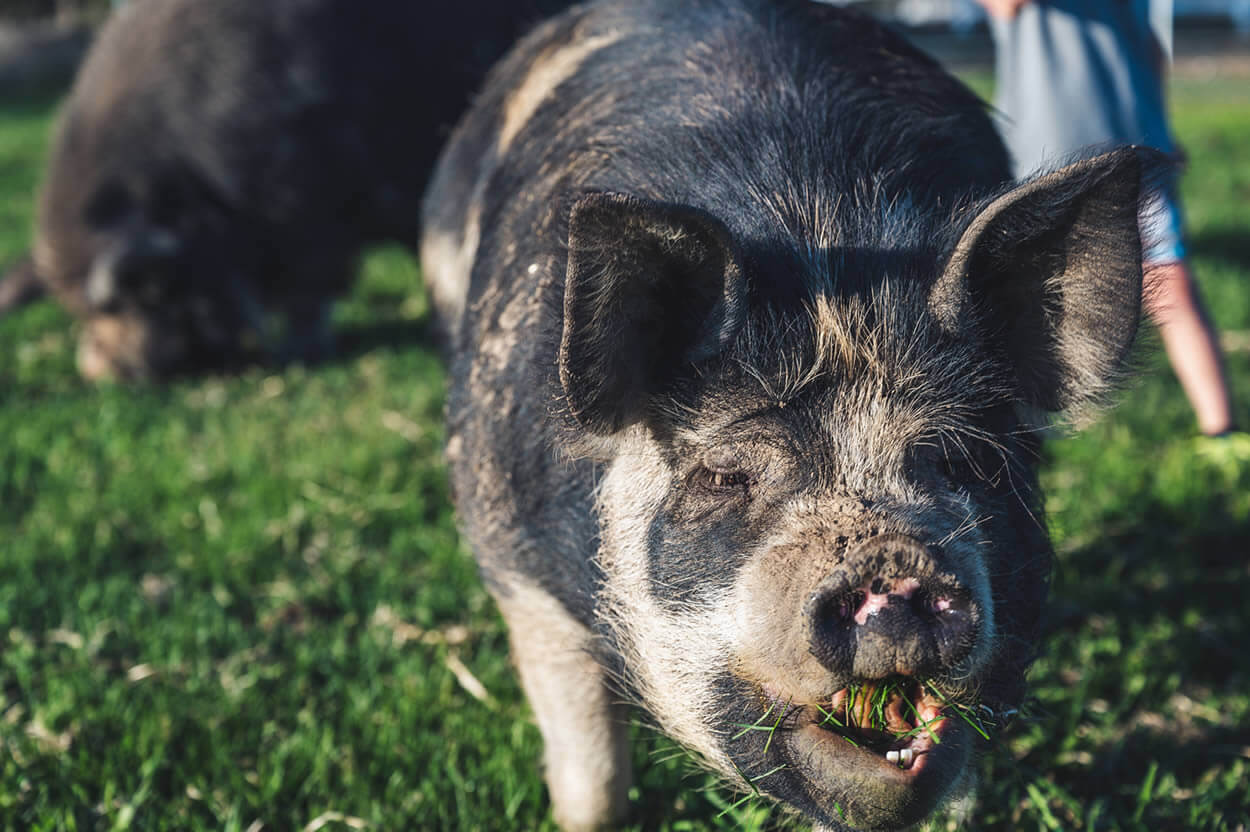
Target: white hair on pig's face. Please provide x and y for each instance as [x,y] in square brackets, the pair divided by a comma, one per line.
[672,657]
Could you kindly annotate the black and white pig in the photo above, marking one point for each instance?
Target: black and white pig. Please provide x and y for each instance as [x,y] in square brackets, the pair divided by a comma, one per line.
[749,336]
[222,164]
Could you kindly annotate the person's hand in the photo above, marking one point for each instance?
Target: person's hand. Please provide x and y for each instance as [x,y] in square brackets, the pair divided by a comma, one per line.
[1003,9]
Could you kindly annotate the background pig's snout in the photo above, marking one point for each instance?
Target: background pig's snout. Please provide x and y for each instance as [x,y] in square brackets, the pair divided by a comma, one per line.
[890,609]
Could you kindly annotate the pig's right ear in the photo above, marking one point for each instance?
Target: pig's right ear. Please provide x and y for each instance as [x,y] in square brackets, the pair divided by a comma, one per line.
[651,287]
[1051,273]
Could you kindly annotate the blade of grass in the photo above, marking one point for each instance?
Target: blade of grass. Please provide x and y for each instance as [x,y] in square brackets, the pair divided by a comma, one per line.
[768,743]
[922,724]
[961,712]
[1043,807]
[756,726]
[1145,793]
[831,718]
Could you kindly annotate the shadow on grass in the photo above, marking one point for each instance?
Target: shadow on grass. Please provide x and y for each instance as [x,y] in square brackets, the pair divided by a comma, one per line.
[1229,244]
[694,798]
[1176,584]
[1185,568]
[355,340]
[36,100]
[351,342]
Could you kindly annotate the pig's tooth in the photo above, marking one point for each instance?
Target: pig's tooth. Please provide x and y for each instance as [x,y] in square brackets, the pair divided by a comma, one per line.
[892,756]
[905,756]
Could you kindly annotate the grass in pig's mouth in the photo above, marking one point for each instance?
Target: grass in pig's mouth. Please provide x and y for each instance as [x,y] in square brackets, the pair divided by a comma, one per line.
[900,719]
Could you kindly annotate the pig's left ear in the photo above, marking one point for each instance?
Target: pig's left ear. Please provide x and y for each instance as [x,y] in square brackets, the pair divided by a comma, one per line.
[1051,273]
[651,287]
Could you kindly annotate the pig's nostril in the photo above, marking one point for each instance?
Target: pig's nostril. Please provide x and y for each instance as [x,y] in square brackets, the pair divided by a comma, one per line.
[831,617]
[938,604]
[838,610]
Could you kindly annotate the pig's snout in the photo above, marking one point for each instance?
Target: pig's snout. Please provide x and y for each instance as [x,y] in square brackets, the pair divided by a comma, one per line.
[890,609]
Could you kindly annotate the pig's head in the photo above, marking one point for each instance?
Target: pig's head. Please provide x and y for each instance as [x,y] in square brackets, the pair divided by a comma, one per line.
[142,254]
[823,496]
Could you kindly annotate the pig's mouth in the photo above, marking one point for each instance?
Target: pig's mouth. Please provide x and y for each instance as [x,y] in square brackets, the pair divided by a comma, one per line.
[881,755]
[900,721]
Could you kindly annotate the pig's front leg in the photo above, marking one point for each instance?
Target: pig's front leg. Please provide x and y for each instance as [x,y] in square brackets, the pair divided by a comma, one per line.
[583,725]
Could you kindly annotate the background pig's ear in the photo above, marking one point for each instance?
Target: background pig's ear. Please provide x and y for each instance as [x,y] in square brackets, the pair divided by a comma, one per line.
[1051,271]
[650,288]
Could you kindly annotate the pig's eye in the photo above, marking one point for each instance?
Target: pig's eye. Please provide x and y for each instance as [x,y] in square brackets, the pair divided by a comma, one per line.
[721,482]
[976,463]
[954,464]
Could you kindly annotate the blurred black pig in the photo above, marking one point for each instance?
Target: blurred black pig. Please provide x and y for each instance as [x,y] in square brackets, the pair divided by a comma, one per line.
[219,167]
[749,330]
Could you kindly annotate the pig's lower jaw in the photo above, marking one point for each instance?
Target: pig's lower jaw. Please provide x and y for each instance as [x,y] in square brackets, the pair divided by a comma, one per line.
[889,771]
[860,787]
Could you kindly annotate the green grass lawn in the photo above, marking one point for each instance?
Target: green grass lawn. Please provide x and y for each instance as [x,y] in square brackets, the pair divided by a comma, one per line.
[236,602]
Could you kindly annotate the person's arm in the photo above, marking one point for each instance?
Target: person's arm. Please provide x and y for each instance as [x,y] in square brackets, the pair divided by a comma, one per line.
[1003,9]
